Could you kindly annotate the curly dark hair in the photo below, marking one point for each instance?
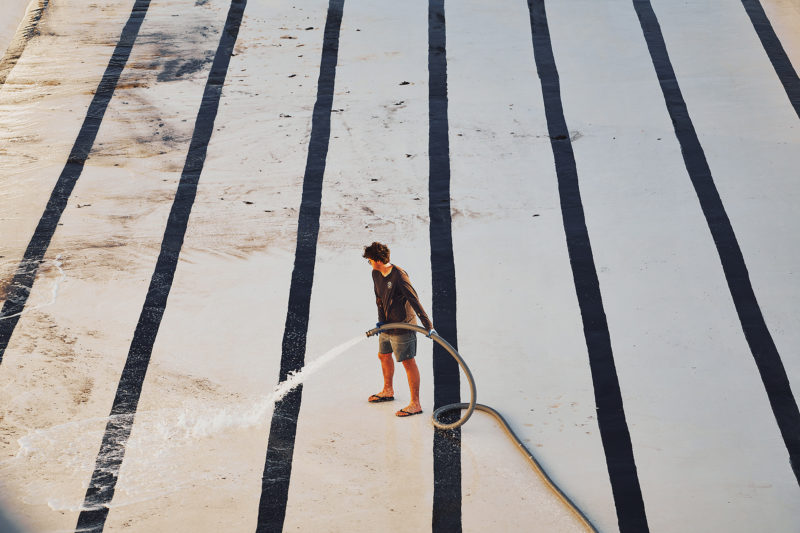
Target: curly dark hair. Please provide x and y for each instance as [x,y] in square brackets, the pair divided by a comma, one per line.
[377,252]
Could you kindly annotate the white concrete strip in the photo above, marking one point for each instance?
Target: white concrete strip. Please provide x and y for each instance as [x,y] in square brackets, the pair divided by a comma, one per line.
[704,435]
[519,325]
[353,460]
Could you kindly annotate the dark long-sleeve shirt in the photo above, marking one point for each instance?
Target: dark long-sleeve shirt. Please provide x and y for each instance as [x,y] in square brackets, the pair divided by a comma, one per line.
[397,300]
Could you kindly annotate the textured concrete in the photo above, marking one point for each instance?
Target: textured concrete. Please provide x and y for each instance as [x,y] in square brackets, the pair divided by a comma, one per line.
[708,452]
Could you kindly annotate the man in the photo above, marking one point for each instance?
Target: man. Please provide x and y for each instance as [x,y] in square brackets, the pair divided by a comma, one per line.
[397,302]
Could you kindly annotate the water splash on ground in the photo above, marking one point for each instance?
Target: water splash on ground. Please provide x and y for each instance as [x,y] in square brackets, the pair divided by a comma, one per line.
[163,440]
[56,284]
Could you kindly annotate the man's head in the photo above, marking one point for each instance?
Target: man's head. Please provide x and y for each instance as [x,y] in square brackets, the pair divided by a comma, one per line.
[377,252]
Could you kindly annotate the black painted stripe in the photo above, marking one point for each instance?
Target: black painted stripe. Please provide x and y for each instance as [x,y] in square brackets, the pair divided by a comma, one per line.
[755,329]
[446,380]
[777,55]
[118,429]
[21,284]
[608,397]
[283,428]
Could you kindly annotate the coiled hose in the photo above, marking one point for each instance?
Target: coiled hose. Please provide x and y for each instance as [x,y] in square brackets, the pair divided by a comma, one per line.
[473,405]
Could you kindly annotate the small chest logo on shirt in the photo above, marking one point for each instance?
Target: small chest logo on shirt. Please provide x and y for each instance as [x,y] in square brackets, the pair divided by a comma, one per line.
[389,284]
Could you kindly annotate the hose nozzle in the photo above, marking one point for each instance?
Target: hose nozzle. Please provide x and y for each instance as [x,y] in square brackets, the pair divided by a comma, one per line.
[374,331]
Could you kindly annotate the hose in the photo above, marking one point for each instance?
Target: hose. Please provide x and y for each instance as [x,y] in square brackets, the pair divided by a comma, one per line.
[473,405]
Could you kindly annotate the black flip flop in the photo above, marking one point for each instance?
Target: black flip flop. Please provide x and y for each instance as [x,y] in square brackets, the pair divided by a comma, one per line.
[407,413]
[379,399]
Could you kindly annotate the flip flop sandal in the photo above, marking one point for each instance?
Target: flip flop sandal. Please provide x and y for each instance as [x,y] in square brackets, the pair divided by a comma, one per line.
[406,413]
[377,399]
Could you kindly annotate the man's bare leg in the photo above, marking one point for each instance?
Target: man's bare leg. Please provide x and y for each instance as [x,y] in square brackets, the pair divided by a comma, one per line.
[387,367]
[412,371]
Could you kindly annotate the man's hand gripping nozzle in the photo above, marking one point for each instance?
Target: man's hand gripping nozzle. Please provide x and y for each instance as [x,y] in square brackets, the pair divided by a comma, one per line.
[375,330]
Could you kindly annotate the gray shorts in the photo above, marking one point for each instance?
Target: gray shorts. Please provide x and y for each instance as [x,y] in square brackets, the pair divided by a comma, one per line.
[402,345]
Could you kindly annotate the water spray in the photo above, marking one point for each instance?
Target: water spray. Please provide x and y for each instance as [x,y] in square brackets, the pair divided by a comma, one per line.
[473,405]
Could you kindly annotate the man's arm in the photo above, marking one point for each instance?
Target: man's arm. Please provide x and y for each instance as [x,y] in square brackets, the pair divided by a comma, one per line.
[413,299]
